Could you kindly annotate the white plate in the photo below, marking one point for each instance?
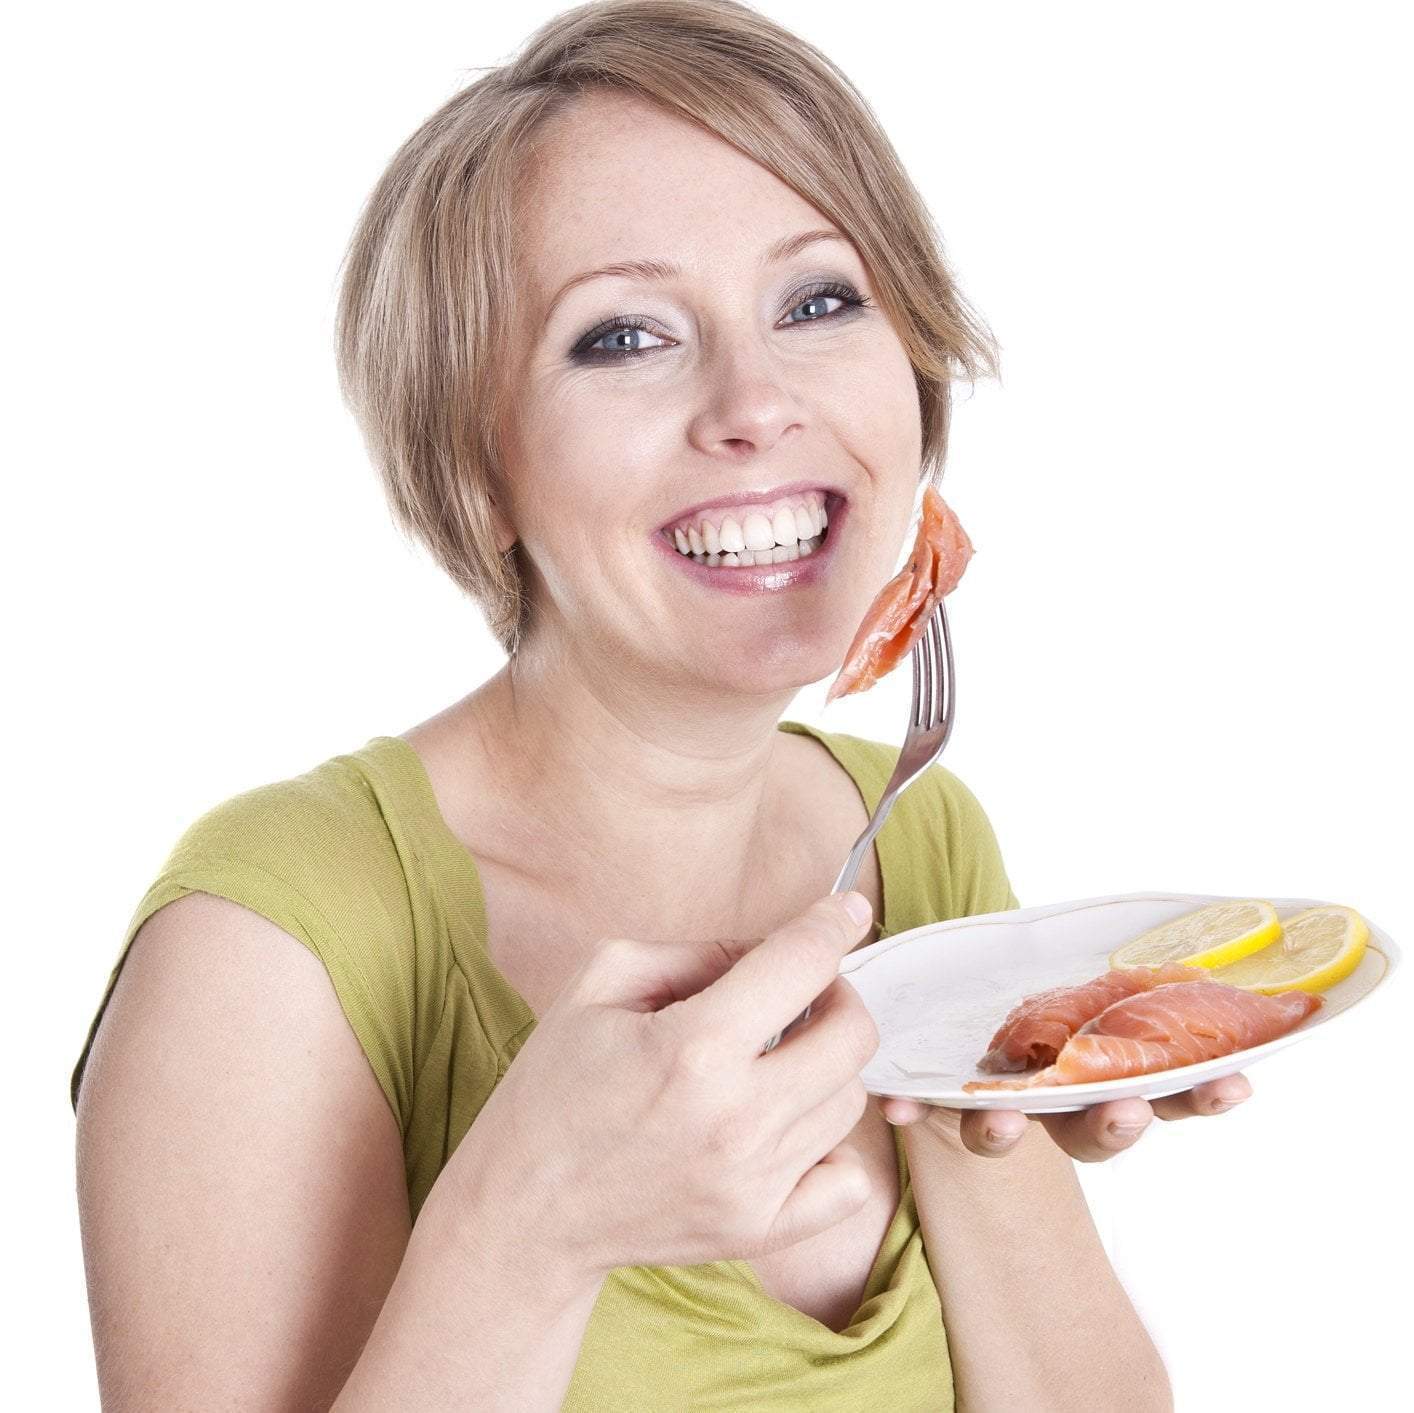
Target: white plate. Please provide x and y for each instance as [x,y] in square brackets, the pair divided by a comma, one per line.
[938,994]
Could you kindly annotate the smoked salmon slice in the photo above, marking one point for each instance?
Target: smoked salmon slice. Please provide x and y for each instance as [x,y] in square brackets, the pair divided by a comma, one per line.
[1037,1027]
[899,614]
[1172,1025]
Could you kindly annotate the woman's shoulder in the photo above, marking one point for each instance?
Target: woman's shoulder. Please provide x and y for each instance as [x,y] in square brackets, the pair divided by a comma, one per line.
[872,762]
[330,823]
[938,847]
[327,856]
[330,845]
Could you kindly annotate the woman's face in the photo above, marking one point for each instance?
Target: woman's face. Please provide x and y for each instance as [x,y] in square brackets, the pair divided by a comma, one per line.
[733,393]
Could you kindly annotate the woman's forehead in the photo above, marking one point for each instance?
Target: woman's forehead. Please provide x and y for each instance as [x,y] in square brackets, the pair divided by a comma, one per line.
[619,180]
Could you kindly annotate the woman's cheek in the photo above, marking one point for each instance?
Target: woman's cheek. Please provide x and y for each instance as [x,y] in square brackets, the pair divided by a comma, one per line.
[878,415]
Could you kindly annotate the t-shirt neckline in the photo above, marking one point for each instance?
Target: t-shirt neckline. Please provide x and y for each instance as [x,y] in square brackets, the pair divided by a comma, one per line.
[434,831]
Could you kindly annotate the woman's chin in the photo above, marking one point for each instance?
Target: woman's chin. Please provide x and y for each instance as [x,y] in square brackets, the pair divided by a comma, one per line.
[776,670]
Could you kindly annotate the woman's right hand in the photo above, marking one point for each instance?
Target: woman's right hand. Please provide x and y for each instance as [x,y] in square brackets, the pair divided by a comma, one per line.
[641,1124]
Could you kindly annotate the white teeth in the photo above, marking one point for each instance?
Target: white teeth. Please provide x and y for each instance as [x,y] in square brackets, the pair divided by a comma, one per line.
[729,558]
[754,528]
[757,532]
[747,559]
[777,554]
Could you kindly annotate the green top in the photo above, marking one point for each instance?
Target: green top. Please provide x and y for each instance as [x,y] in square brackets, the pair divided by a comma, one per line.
[354,860]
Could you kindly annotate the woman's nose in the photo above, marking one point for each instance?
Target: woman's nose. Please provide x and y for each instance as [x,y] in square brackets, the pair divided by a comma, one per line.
[747,406]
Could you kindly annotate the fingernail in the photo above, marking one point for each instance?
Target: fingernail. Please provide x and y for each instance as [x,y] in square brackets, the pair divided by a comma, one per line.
[1127,1130]
[858,907]
[996,1139]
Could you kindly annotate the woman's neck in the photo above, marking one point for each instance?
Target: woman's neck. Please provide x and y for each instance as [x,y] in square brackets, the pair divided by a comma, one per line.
[675,807]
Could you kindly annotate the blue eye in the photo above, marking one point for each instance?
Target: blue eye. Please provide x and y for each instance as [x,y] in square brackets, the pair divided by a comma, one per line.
[624,338]
[624,334]
[817,303]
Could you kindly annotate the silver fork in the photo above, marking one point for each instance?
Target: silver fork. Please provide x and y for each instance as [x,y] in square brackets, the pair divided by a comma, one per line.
[929,726]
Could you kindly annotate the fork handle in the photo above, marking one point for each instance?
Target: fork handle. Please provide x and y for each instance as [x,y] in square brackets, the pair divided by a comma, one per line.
[844,883]
[852,864]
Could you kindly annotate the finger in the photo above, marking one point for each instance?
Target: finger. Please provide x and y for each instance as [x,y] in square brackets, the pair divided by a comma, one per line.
[824,1127]
[902,1112]
[834,1188]
[656,975]
[650,976]
[1217,1096]
[1097,1133]
[775,981]
[991,1132]
[817,1058]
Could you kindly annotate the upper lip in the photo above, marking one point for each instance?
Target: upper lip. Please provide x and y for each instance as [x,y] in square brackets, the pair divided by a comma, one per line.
[745,498]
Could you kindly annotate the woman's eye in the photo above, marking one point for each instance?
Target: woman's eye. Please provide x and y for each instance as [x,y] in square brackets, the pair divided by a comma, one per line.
[815,307]
[629,340]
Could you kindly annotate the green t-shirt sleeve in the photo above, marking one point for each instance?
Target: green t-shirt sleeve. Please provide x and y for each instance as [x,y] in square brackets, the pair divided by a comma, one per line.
[313,855]
[937,849]
[979,877]
[940,854]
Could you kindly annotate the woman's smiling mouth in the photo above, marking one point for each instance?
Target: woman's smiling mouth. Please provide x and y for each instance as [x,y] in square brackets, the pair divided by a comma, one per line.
[752,527]
[759,546]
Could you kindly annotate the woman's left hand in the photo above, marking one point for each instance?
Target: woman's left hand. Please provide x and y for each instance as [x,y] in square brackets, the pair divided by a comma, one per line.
[1089,1136]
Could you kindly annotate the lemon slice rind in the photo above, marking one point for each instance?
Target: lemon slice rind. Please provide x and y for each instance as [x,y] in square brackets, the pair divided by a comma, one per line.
[1212,936]
[1319,947]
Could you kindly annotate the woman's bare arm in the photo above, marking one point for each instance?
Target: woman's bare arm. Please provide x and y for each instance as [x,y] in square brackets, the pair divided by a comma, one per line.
[244,1209]
[480,1316]
[1035,1315]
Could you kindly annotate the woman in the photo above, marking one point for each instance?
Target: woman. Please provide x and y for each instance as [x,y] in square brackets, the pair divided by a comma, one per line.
[468,1145]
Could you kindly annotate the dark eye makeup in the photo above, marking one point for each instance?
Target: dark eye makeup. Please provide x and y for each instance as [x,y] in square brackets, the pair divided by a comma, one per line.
[583,350]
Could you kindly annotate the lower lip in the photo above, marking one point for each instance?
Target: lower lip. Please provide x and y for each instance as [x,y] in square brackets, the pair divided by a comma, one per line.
[762,578]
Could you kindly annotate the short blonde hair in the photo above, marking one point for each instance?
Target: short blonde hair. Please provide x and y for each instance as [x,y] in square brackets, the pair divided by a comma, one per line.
[428,282]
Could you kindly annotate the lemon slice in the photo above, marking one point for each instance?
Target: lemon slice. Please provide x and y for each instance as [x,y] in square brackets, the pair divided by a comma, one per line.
[1318,948]
[1211,937]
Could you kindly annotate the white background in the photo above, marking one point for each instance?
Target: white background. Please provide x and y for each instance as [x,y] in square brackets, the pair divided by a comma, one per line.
[1183,644]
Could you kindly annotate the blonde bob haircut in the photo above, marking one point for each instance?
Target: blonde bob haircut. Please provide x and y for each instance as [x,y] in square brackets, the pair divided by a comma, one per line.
[428,281]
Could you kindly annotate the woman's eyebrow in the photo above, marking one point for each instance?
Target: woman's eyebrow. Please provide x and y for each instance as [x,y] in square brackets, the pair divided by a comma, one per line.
[661,270]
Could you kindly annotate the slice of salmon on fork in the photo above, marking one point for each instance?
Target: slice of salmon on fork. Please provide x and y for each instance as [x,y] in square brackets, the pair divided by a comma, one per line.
[897,618]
